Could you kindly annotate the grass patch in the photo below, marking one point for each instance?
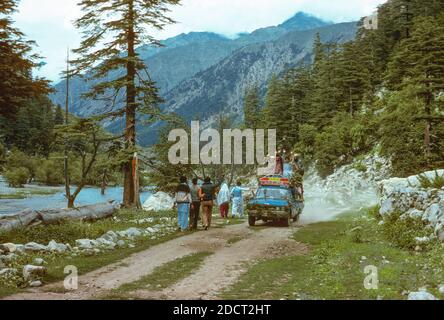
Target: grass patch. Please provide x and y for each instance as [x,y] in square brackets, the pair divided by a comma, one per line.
[334,268]
[23,194]
[436,182]
[402,231]
[72,230]
[234,240]
[162,277]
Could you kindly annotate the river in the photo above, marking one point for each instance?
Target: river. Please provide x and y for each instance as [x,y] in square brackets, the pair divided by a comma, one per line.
[57,200]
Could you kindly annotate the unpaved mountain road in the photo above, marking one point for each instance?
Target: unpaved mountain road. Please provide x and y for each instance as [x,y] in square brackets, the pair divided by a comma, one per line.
[218,271]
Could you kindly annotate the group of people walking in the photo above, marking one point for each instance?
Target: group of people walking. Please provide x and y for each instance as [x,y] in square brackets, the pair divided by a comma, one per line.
[193,200]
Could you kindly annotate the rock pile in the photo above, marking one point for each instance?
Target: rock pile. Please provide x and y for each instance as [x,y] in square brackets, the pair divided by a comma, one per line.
[407,197]
[32,274]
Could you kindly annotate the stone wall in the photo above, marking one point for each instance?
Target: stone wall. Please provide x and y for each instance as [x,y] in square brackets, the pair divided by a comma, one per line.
[408,197]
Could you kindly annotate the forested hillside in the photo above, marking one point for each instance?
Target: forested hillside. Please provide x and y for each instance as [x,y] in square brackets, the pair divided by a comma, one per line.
[382,92]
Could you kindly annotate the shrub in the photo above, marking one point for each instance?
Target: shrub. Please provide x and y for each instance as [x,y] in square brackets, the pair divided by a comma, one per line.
[437,182]
[374,212]
[50,172]
[19,159]
[403,231]
[16,177]
[360,167]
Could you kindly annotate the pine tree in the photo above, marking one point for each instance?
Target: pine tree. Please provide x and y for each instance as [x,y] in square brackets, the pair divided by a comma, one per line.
[419,61]
[275,106]
[252,108]
[59,118]
[17,85]
[353,77]
[126,23]
[325,86]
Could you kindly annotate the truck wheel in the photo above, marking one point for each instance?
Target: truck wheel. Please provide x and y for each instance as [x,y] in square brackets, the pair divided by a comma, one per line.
[285,222]
[251,221]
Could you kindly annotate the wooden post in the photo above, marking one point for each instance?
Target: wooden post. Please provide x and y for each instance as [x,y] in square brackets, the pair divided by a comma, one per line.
[136,180]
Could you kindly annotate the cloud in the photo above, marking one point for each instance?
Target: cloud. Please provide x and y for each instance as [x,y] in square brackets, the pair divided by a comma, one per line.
[49,22]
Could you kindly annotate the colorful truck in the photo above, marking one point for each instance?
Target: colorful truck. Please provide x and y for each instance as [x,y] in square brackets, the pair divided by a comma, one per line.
[275,201]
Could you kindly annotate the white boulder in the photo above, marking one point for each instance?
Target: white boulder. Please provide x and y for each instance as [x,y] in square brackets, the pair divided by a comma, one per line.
[8,247]
[421,240]
[441,289]
[421,295]
[39,261]
[132,233]
[159,201]
[30,272]
[86,243]
[53,246]
[35,284]
[106,243]
[110,236]
[36,247]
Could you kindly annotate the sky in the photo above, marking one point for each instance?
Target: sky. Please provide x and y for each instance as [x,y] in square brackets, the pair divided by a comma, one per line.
[49,22]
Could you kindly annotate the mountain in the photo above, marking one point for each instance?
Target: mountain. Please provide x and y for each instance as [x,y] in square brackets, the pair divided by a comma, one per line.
[302,21]
[221,87]
[202,73]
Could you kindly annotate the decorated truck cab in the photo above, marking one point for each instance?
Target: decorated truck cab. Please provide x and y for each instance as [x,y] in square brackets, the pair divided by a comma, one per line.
[275,201]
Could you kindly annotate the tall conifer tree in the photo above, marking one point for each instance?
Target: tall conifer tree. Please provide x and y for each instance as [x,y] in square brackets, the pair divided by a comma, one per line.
[112,31]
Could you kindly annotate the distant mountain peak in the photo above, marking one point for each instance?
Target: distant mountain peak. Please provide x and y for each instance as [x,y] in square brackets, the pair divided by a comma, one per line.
[303,21]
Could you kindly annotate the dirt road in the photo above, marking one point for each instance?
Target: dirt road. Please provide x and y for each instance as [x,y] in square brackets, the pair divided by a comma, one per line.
[218,271]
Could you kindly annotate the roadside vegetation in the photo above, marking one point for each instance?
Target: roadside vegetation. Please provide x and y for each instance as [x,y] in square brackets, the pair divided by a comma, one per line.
[334,268]
[70,231]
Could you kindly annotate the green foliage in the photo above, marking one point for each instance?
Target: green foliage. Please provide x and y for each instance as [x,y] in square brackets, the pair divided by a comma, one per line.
[336,109]
[333,268]
[402,231]
[436,182]
[50,172]
[402,136]
[252,109]
[59,117]
[359,166]
[307,140]
[16,177]
[18,87]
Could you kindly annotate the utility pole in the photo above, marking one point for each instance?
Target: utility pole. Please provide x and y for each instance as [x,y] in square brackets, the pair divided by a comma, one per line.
[65,156]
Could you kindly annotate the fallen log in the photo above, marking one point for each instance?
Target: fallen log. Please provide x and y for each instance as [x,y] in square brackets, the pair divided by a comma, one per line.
[87,213]
[28,218]
[18,220]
